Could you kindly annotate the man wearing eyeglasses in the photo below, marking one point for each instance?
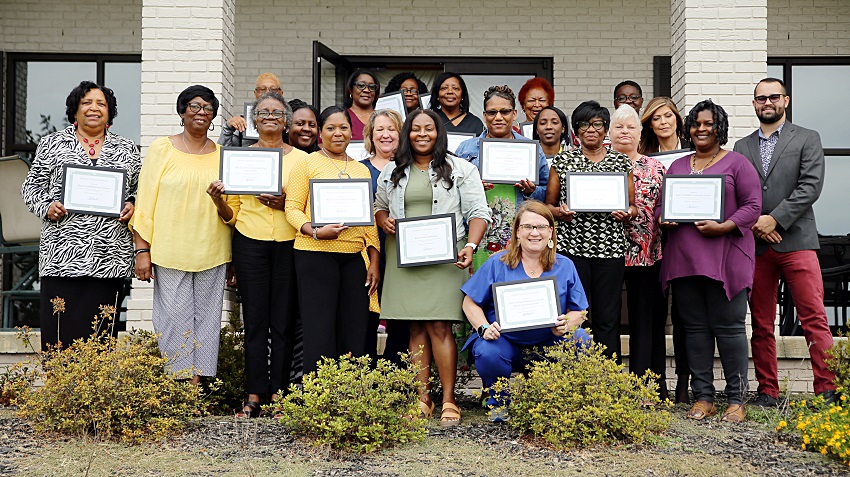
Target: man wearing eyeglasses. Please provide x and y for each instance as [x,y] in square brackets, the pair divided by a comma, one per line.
[628,92]
[233,132]
[790,163]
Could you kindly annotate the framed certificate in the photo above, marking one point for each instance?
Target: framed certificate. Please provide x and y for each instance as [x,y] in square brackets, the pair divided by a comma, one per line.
[597,191]
[341,201]
[93,190]
[425,100]
[691,198]
[668,157]
[250,131]
[251,170]
[508,161]
[526,304]
[527,129]
[429,240]
[394,101]
[357,150]
[455,138]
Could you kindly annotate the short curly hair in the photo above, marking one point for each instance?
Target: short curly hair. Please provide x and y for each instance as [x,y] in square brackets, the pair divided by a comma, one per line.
[72,102]
[536,82]
[287,109]
[395,83]
[721,120]
[503,92]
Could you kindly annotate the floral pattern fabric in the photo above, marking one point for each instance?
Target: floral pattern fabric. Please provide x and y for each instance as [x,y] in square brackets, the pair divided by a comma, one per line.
[643,236]
[501,200]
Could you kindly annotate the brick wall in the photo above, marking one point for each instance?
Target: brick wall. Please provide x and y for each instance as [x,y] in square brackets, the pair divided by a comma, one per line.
[808,27]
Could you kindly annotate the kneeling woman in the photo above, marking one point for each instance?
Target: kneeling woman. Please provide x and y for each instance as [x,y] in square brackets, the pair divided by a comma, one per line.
[530,254]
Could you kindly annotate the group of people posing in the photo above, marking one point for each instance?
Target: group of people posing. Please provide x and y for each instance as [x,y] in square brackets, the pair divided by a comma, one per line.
[336,282]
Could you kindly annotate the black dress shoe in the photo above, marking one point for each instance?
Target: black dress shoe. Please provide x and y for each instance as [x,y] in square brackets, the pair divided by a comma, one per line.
[764,400]
[830,397]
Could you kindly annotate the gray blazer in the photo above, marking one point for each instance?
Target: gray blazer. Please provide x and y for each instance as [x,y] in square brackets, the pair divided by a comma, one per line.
[793,183]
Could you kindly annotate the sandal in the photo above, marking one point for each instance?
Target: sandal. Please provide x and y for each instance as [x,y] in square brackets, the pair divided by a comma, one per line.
[450,416]
[701,410]
[425,410]
[250,410]
[735,413]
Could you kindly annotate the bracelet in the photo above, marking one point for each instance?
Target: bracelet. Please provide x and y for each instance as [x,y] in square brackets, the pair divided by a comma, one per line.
[141,250]
[473,245]
[315,231]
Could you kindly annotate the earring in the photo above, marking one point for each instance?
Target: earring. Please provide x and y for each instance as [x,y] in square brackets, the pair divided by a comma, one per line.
[212,126]
[181,121]
[550,244]
[107,126]
[75,125]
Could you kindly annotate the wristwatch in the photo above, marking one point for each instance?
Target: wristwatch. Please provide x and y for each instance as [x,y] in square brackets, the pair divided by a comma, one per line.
[481,329]
[473,245]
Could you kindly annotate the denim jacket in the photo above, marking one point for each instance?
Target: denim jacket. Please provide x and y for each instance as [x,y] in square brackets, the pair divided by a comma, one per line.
[465,199]
[470,148]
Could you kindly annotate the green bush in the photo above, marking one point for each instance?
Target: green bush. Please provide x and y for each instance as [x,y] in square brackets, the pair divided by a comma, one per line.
[839,363]
[351,405]
[230,387]
[579,397]
[106,387]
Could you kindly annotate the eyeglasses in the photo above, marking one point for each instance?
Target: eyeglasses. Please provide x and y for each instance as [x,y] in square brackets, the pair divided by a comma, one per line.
[363,86]
[584,125]
[627,99]
[277,114]
[195,107]
[412,91]
[264,89]
[539,228]
[491,113]
[774,98]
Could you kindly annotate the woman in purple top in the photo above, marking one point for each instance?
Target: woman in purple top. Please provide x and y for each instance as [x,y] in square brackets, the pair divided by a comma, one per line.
[710,265]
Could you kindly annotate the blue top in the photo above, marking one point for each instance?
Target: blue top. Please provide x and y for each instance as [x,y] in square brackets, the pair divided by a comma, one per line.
[382,236]
[478,288]
[470,149]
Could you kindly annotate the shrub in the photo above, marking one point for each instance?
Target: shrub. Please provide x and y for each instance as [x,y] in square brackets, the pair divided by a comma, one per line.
[352,405]
[111,388]
[574,397]
[231,368]
[839,362]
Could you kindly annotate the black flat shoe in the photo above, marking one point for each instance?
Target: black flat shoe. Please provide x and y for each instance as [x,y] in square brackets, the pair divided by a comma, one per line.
[250,410]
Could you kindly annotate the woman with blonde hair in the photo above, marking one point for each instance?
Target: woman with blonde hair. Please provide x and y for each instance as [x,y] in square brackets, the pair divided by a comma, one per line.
[530,254]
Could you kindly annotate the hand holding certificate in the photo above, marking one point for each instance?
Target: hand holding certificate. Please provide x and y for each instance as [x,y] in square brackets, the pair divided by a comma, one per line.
[93,190]
[508,161]
[341,201]
[597,191]
[251,170]
[693,198]
[426,240]
[527,304]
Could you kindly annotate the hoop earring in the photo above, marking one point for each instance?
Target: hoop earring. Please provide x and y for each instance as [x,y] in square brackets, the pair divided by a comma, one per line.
[181,121]
[212,126]
[550,244]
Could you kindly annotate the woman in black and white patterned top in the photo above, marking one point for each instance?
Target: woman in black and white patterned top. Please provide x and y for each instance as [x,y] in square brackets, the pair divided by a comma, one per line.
[595,241]
[83,259]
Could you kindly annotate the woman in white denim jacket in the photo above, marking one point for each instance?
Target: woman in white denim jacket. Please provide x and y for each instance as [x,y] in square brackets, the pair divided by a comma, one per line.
[424,181]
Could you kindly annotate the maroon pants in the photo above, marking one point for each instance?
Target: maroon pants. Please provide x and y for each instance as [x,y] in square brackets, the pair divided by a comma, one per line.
[801,271]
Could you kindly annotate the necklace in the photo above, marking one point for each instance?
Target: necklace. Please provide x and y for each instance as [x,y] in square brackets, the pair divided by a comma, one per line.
[458,115]
[90,145]
[203,146]
[279,145]
[421,169]
[694,163]
[343,174]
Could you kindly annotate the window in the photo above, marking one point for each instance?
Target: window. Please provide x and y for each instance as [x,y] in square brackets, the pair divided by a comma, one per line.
[38,84]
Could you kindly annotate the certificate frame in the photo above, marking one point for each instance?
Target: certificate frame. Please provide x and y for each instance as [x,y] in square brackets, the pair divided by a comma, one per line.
[448,242]
[271,157]
[456,138]
[576,181]
[425,100]
[357,150]
[110,205]
[667,158]
[250,130]
[527,167]
[674,184]
[360,190]
[393,101]
[543,290]
[527,129]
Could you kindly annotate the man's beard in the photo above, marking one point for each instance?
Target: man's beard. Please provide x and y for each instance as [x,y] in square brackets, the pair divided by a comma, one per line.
[765,119]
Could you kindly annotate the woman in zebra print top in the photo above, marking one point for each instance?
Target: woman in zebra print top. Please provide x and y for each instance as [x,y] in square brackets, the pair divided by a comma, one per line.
[83,259]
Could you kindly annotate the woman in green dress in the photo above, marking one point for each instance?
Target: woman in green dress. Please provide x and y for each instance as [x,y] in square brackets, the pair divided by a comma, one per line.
[427,181]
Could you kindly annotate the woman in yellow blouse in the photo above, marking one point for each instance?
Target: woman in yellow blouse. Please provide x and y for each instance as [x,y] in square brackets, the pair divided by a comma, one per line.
[329,260]
[262,257]
[181,240]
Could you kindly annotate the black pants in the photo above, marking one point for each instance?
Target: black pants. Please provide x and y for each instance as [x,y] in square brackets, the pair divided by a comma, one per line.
[266,275]
[647,307]
[709,317]
[83,297]
[334,304]
[602,280]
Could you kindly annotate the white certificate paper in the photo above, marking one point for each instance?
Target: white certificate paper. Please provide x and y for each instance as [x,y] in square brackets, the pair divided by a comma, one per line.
[527,304]
[668,157]
[93,190]
[357,150]
[250,131]
[427,240]
[691,198]
[527,129]
[425,100]
[341,201]
[508,161]
[456,138]
[251,170]
[597,191]
[393,101]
